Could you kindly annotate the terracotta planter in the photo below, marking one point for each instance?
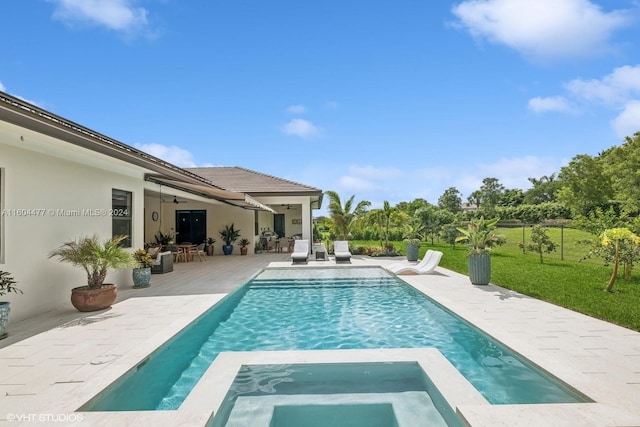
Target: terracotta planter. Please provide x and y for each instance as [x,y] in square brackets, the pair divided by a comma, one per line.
[243,251]
[85,299]
[209,250]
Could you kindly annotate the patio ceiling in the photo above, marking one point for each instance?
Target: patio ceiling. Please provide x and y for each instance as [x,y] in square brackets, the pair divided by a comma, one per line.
[210,191]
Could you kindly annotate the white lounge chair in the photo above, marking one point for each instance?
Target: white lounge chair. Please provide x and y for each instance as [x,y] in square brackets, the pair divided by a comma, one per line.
[341,251]
[423,268]
[300,253]
[398,265]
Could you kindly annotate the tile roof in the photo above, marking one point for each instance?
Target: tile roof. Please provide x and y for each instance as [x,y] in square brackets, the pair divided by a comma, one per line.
[243,180]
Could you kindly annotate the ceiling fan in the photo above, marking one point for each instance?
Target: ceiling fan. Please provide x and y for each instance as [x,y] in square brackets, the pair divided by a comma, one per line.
[289,207]
[175,200]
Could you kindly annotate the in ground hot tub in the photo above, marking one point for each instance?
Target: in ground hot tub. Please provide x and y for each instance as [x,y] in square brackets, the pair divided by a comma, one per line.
[370,394]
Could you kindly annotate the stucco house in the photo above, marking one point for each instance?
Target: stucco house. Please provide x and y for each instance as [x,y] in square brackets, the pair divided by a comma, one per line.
[60,180]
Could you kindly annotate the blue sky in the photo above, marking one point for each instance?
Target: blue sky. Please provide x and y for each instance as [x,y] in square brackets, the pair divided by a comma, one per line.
[384,100]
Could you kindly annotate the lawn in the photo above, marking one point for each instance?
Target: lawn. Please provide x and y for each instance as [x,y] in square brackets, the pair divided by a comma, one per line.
[565,282]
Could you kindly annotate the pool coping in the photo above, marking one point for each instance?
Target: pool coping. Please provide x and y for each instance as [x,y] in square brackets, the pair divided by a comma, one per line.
[58,371]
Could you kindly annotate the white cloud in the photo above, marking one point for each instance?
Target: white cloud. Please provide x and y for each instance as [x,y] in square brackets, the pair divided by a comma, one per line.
[618,91]
[302,128]
[118,15]
[371,172]
[2,88]
[297,109]
[172,154]
[542,28]
[514,172]
[628,121]
[354,183]
[552,103]
[616,88]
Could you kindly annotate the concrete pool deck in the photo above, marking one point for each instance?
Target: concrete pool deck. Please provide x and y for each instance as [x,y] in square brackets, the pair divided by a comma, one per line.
[49,369]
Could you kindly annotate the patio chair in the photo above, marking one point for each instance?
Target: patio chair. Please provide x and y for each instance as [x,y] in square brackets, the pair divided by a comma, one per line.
[284,243]
[300,254]
[424,267]
[341,251]
[198,251]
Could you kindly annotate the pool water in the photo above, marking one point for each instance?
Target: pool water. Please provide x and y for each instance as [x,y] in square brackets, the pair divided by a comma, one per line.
[352,308]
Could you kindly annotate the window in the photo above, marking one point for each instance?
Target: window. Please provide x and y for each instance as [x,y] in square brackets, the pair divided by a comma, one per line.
[256,224]
[121,215]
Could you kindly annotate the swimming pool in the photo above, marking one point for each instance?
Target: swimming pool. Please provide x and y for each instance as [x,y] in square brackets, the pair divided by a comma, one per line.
[329,308]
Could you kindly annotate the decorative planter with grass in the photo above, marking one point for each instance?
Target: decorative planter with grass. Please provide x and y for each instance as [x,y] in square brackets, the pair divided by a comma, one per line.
[480,236]
[7,285]
[96,259]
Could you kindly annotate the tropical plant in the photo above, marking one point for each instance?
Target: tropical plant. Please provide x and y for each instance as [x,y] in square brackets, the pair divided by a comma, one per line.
[343,218]
[243,243]
[142,258]
[211,241]
[412,232]
[229,234]
[164,239]
[7,284]
[480,235]
[94,257]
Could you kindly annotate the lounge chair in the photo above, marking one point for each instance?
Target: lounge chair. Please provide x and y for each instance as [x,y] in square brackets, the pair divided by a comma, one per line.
[341,251]
[300,254]
[426,266]
[398,265]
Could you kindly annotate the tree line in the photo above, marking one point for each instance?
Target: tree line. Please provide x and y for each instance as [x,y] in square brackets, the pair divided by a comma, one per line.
[593,193]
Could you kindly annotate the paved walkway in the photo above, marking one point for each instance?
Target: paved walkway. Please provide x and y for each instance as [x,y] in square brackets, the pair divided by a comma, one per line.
[46,374]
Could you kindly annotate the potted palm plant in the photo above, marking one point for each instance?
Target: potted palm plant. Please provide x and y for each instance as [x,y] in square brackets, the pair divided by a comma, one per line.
[7,285]
[229,235]
[141,273]
[96,258]
[480,236]
[243,246]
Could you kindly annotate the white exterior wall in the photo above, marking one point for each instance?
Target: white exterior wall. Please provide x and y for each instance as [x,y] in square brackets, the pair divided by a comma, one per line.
[43,173]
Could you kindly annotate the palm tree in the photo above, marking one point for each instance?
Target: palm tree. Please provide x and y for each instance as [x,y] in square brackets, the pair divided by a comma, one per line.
[386,218]
[343,218]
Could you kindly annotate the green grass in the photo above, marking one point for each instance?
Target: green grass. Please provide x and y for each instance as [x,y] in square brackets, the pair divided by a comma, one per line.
[569,283]
[565,239]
